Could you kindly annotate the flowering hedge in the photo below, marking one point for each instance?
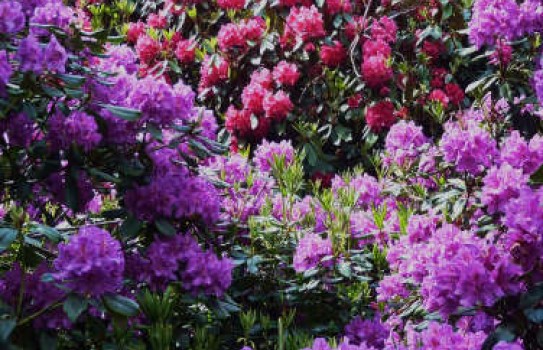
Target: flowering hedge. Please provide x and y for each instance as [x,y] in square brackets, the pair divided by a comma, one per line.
[271,175]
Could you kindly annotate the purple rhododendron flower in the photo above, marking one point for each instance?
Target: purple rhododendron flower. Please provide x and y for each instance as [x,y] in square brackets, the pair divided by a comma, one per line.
[267,152]
[55,56]
[470,148]
[12,18]
[53,13]
[91,263]
[30,55]
[500,185]
[369,332]
[78,128]
[403,143]
[310,251]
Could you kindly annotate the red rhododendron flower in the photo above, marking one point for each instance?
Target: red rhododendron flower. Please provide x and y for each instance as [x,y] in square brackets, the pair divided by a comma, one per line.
[135,30]
[324,178]
[286,73]
[262,77]
[333,55]
[185,51]
[169,45]
[234,145]
[147,49]
[440,96]
[291,3]
[262,129]
[354,27]
[337,6]
[213,71]
[376,47]
[438,78]
[253,98]
[304,23]
[384,91]
[277,106]
[253,29]
[402,113]
[230,38]
[231,4]
[454,93]
[157,21]
[503,53]
[236,36]
[238,122]
[354,101]
[384,29]
[380,116]
[376,71]
[433,49]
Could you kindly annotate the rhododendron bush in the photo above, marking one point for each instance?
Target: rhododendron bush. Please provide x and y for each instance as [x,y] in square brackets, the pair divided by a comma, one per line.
[290,175]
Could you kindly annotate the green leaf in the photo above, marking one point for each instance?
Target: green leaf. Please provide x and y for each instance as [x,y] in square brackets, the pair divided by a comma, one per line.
[229,306]
[6,327]
[338,20]
[252,264]
[540,337]
[72,80]
[106,177]
[48,341]
[165,227]
[502,333]
[121,305]
[7,236]
[310,285]
[200,148]
[72,194]
[52,92]
[33,242]
[478,83]
[537,177]
[74,306]
[532,297]
[311,154]
[534,315]
[122,112]
[155,132]
[466,51]
[345,270]
[130,227]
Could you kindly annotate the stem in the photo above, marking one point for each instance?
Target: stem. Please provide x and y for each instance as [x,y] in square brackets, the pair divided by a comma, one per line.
[39,313]
[23,273]
[354,44]
[98,223]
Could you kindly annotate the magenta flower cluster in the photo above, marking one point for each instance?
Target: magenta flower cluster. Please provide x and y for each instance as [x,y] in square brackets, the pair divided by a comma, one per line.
[181,259]
[91,263]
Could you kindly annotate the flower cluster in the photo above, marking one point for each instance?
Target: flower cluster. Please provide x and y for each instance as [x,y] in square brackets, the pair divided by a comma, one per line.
[234,38]
[181,258]
[268,152]
[78,128]
[91,263]
[311,249]
[174,195]
[470,148]
[303,24]
[376,53]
